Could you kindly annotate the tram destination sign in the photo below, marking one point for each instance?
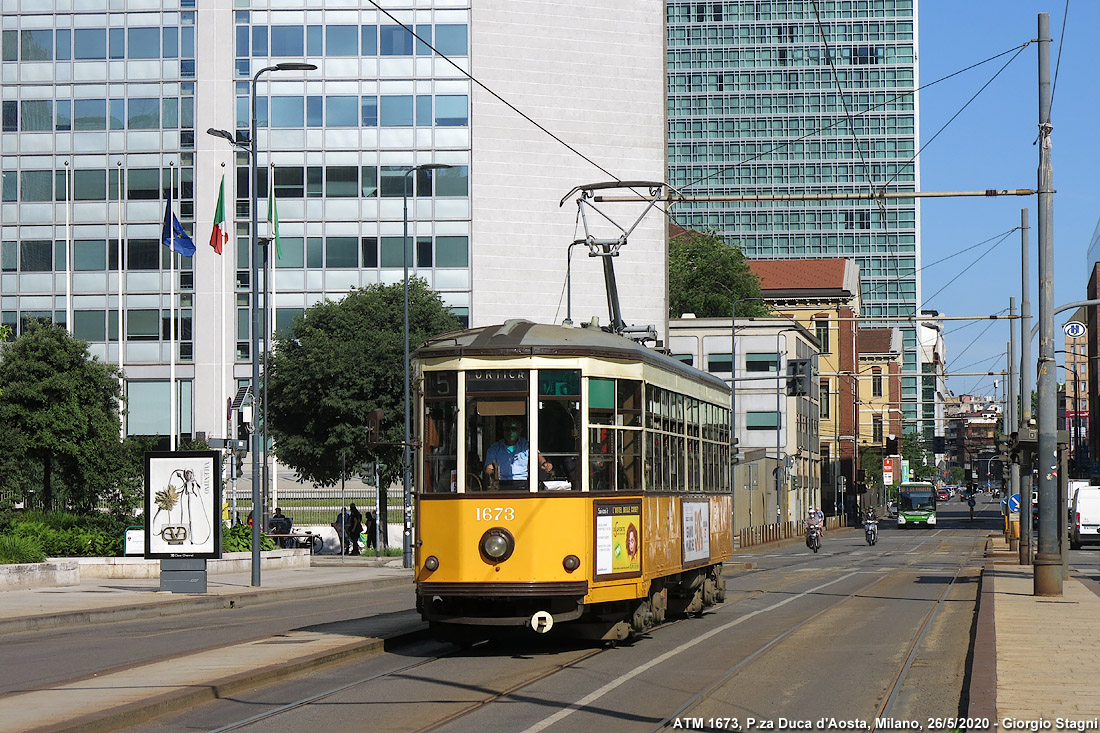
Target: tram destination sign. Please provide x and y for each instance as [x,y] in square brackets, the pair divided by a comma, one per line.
[497,380]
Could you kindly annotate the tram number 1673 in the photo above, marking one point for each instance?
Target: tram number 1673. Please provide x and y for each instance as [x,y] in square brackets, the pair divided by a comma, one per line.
[495,514]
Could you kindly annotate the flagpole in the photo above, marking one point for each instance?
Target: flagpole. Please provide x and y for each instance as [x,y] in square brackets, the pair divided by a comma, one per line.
[121,338]
[68,248]
[272,251]
[172,307]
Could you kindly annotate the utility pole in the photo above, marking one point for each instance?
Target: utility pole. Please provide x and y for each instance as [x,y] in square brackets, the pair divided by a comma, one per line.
[1048,561]
[1011,420]
[1025,389]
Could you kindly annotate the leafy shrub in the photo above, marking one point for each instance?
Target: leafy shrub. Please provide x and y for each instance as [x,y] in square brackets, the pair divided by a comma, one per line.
[15,550]
[239,539]
[69,541]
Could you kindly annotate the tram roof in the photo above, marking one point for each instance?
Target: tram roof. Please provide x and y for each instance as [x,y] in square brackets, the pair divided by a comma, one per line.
[520,337]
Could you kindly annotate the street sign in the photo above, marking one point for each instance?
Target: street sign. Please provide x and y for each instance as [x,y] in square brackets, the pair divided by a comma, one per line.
[1014,503]
[228,443]
[1074,329]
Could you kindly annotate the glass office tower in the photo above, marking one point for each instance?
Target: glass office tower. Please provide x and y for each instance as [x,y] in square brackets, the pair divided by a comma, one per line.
[105,108]
[754,109]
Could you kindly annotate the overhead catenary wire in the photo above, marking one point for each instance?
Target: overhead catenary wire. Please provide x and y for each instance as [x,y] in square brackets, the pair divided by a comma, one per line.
[1058,62]
[495,96]
[963,271]
[891,100]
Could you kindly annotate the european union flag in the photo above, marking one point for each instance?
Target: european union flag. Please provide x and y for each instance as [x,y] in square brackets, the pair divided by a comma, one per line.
[172,235]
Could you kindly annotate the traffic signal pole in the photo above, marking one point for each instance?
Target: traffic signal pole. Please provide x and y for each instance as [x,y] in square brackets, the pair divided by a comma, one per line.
[1048,561]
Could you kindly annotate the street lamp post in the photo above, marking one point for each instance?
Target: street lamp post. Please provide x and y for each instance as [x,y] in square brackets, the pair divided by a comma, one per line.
[251,148]
[406,542]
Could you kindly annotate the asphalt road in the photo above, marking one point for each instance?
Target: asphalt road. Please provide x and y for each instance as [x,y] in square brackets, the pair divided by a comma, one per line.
[853,633]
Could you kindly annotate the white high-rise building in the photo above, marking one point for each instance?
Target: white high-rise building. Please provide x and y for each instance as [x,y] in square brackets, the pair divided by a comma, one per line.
[111,100]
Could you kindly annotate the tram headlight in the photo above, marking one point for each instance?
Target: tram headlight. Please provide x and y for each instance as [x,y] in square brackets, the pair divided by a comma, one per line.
[496,545]
[432,563]
[571,563]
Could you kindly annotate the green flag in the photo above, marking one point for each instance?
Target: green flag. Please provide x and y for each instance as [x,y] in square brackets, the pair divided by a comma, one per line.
[273,217]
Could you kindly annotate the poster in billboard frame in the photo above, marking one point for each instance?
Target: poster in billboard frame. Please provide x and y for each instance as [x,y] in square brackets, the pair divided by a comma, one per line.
[617,544]
[183,498]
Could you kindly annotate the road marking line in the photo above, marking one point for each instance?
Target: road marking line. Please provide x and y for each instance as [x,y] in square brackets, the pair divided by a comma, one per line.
[593,696]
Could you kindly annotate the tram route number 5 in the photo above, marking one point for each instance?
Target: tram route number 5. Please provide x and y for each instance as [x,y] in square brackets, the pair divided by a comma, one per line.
[495,514]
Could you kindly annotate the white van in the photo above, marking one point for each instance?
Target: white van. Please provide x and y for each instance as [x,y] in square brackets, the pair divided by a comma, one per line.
[1085,517]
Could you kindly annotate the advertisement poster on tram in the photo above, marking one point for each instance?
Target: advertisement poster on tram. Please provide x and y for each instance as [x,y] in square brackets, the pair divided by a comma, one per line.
[696,527]
[618,538]
[183,504]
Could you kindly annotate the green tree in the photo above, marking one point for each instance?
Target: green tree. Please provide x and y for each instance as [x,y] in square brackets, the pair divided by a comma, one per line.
[705,276]
[957,475]
[336,364]
[914,449]
[59,412]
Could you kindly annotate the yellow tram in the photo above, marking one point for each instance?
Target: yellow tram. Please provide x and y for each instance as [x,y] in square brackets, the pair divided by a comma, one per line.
[566,478]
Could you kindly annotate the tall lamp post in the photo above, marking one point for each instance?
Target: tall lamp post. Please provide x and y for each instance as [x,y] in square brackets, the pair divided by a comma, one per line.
[250,146]
[406,542]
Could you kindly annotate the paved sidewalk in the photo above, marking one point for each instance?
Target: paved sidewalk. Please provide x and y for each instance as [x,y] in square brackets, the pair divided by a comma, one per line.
[111,700]
[99,600]
[1034,655]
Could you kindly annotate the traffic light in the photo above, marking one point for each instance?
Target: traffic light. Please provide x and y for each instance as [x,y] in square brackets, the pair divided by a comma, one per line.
[1005,448]
[243,421]
[939,444]
[735,455]
[891,445]
[799,377]
[374,428]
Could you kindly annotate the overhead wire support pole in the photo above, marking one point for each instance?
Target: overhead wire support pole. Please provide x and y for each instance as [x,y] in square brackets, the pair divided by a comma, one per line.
[733,198]
[1048,560]
[1024,412]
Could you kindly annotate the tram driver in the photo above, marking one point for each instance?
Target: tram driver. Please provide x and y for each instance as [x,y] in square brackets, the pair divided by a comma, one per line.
[507,459]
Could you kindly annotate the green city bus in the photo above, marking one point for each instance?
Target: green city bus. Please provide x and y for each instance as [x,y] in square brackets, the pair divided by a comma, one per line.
[916,504]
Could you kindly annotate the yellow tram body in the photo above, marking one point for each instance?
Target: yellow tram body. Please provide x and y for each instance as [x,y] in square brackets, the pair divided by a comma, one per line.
[630,519]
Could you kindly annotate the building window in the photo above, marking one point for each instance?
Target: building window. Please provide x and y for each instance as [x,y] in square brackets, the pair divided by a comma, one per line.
[768,420]
[876,383]
[720,362]
[824,399]
[761,362]
[821,330]
[876,429]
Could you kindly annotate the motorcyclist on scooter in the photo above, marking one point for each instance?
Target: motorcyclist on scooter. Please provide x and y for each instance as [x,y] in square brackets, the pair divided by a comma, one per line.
[870,525]
[815,518]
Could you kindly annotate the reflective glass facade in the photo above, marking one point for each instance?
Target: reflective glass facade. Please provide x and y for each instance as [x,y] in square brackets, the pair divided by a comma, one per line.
[770,97]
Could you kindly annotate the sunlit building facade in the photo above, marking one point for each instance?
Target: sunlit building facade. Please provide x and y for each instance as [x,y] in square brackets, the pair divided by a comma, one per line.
[105,110]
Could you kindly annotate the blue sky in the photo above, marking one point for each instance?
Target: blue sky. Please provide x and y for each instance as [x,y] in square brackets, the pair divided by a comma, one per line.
[990,145]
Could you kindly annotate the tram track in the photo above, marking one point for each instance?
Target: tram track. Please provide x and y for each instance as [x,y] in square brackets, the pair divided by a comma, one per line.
[855,565]
[885,706]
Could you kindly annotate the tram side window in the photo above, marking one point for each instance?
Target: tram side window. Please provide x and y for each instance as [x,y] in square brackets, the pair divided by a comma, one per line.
[440,432]
[615,437]
[560,428]
[497,448]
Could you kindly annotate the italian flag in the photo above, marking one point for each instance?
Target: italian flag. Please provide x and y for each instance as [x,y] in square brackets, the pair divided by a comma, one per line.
[219,236]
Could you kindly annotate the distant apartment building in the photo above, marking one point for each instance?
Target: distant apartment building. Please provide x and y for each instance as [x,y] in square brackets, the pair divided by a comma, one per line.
[781,429]
[784,98]
[1075,395]
[823,295]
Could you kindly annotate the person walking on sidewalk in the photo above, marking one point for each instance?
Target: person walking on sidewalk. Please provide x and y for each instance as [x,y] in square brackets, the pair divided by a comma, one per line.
[354,529]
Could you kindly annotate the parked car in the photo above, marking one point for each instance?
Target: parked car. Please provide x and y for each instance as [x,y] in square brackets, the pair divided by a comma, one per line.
[1085,513]
[942,495]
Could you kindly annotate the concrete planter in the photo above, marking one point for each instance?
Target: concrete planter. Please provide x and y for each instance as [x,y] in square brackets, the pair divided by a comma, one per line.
[50,574]
[230,562]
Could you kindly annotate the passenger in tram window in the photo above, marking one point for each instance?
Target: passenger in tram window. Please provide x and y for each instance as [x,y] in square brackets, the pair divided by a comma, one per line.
[507,459]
